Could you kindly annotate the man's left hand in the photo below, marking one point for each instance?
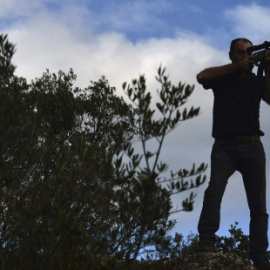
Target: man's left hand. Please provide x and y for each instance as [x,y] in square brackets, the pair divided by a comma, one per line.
[267,60]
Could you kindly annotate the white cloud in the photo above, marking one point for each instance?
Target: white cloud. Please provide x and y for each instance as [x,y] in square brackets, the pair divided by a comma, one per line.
[18,9]
[250,21]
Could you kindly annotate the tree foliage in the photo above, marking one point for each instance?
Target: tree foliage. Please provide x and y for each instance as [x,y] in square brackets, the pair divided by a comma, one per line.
[74,187]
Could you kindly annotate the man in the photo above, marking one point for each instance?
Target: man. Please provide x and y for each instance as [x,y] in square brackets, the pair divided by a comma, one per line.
[237,147]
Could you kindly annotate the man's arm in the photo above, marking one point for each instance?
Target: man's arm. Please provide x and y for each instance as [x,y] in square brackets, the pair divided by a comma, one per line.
[266,95]
[209,76]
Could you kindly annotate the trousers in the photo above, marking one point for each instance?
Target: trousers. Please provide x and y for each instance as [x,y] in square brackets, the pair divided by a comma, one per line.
[249,160]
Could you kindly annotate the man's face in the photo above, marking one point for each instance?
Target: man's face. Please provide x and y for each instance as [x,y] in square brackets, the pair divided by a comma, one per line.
[240,51]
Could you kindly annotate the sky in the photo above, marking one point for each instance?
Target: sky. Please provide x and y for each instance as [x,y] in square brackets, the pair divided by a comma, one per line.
[122,39]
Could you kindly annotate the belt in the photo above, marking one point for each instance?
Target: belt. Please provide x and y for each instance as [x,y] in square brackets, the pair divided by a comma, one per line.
[242,139]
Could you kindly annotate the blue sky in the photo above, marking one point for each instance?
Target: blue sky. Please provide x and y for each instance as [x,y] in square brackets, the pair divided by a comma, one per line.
[122,39]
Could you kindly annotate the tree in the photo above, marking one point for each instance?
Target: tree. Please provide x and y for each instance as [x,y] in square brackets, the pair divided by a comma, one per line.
[74,187]
[146,126]
[57,182]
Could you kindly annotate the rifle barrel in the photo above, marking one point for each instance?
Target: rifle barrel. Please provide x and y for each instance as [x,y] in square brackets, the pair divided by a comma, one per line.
[262,46]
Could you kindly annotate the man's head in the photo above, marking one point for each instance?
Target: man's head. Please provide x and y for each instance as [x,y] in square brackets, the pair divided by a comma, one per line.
[238,49]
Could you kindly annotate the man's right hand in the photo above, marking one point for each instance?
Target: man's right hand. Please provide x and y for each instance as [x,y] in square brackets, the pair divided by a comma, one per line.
[246,65]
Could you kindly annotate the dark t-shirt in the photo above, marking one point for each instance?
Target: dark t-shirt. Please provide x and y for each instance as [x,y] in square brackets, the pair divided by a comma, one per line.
[237,106]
